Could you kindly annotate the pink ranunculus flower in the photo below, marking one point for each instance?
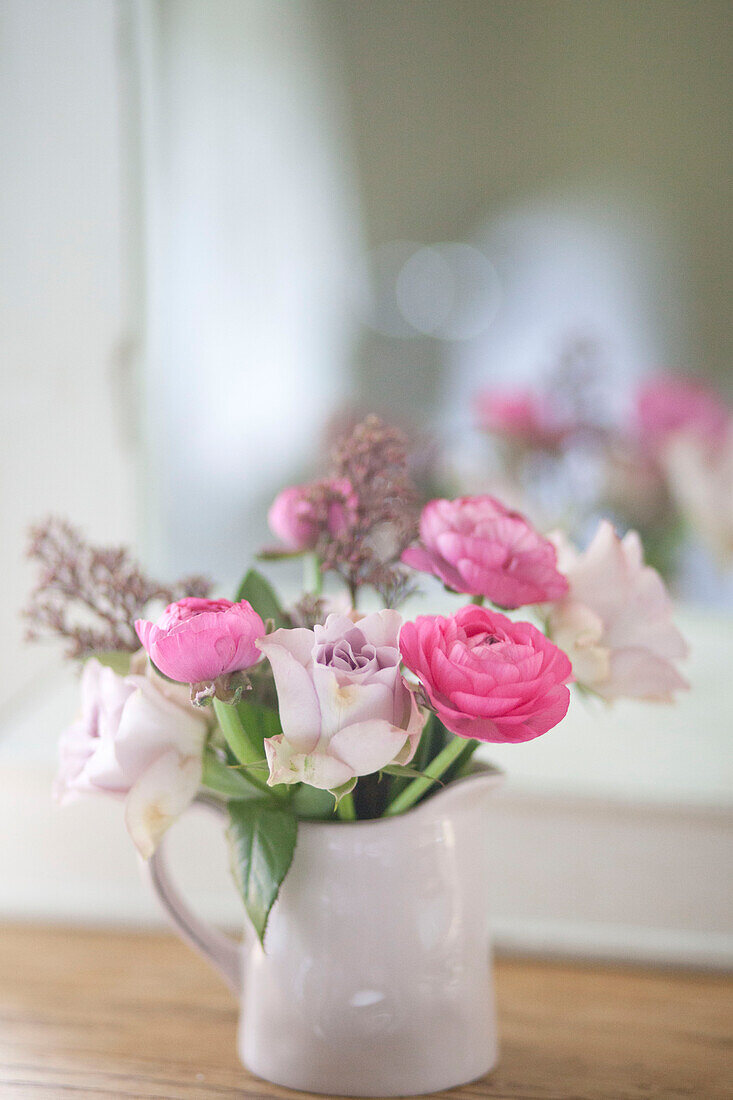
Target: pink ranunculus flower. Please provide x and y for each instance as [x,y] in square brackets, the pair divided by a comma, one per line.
[668,404]
[520,414]
[134,742]
[345,708]
[615,623]
[486,676]
[476,545]
[198,640]
[298,515]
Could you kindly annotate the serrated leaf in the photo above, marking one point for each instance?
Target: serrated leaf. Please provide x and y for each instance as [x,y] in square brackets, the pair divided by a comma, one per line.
[262,837]
[259,592]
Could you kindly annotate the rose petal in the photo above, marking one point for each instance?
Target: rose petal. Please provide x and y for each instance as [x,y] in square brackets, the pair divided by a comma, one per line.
[367,746]
[300,713]
[161,794]
[316,769]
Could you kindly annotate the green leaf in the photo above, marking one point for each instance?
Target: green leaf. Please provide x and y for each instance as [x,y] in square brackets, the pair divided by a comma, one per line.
[259,721]
[461,765]
[253,765]
[244,727]
[344,790]
[227,781]
[260,593]
[312,803]
[116,659]
[403,770]
[262,837]
[434,739]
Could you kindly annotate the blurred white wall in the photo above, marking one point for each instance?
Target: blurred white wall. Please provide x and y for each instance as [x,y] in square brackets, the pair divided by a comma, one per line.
[64,331]
[595,266]
[465,112]
[251,234]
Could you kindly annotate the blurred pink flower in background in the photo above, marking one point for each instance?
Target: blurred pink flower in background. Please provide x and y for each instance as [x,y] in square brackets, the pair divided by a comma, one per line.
[615,623]
[297,516]
[476,545]
[667,404]
[197,640]
[486,676]
[521,414]
[134,742]
[345,708]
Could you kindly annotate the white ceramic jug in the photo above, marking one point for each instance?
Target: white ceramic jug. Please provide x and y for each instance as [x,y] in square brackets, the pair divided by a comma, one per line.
[375,979]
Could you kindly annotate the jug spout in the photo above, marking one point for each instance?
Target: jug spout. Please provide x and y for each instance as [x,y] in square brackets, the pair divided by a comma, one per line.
[466,792]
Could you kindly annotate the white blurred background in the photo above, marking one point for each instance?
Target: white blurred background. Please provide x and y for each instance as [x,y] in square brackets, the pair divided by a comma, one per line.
[224,222]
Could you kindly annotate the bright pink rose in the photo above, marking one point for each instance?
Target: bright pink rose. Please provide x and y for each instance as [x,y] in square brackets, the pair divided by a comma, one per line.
[520,414]
[476,545]
[667,405]
[486,676]
[197,640]
[299,515]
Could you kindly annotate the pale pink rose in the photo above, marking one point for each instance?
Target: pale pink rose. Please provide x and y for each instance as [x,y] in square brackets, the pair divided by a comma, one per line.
[476,545]
[520,414]
[133,742]
[700,480]
[668,404]
[615,623]
[300,514]
[486,676]
[198,640]
[345,708]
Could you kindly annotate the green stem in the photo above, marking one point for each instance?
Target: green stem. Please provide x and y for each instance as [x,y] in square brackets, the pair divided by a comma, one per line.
[312,574]
[237,737]
[478,601]
[345,810]
[417,788]
[246,747]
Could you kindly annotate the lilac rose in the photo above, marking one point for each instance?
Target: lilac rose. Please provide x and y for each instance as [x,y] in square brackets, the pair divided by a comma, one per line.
[345,708]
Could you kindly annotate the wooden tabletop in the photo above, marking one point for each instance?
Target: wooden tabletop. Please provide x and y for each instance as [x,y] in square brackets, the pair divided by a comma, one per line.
[101,1014]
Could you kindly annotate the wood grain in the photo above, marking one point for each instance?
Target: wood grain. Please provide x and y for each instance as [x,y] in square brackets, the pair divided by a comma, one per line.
[103,1014]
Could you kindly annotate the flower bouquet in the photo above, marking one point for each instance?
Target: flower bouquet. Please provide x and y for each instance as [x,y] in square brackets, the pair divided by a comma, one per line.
[337,742]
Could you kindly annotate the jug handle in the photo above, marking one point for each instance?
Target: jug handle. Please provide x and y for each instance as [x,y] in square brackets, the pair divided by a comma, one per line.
[222,951]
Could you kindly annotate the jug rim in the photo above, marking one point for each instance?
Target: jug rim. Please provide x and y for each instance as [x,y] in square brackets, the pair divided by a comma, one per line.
[480,770]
